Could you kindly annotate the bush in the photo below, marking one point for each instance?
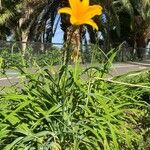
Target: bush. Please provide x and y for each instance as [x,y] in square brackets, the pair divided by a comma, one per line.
[16,59]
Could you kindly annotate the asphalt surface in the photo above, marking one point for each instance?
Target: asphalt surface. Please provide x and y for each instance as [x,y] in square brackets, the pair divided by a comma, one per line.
[116,70]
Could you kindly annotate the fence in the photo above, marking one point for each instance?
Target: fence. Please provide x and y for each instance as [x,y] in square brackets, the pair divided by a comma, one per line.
[37,47]
[125,53]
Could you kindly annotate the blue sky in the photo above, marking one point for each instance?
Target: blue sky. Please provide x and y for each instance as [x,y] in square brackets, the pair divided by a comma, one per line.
[58,37]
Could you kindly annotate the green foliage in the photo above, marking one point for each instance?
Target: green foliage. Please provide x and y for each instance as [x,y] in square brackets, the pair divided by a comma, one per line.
[70,109]
[51,57]
[13,58]
[141,78]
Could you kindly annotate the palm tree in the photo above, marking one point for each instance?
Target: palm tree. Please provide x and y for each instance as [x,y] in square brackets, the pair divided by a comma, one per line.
[106,25]
[138,23]
[30,19]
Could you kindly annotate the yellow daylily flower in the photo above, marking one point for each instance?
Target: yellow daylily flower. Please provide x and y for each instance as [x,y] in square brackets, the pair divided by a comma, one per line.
[81,13]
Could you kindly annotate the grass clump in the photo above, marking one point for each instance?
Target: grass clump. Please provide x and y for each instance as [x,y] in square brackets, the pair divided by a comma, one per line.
[70,109]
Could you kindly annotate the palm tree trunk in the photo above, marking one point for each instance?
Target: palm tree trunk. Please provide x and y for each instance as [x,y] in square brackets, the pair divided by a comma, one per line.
[0,4]
[25,31]
[140,43]
[24,37]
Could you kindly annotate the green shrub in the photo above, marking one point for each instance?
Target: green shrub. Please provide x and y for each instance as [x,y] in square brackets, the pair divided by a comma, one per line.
[15,59]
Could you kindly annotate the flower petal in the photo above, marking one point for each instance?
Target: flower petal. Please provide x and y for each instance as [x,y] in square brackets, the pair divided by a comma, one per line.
[85,3]
[92,23]
[66,10]
[74,4]
[73,20]
[93,10]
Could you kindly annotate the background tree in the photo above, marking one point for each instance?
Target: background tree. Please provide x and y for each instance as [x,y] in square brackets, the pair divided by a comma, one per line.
[126,20]
[27,19]
[33,20]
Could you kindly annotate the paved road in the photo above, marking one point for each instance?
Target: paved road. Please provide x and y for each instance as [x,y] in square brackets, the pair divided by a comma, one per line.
[123,68]
[116,70]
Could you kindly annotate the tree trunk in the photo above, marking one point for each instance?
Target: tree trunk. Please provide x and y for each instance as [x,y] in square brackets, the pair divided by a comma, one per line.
[24,32]
[0,4]
[140,44]
[24,37]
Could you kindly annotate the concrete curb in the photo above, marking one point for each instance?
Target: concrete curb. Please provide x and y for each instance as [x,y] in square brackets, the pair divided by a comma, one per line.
[138,63]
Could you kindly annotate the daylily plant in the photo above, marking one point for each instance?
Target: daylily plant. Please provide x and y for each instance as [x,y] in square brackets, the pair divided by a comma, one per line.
[81,12]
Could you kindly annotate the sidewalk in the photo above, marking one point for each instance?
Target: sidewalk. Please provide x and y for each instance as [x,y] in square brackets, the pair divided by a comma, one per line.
[116,70]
